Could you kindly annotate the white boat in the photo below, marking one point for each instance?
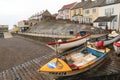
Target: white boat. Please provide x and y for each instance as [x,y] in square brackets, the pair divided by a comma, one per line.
[74,63]
[70,43]
[112,38]
[116,46]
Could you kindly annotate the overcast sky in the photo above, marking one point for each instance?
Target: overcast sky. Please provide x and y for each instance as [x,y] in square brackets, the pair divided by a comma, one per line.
[12,11]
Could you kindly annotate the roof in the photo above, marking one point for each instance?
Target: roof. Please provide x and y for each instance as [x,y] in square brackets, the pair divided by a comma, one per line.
[46,13]
[80,4]
[104,3]
[68,6]
[85,4]
[23,21]
[88,4]
[95,3]
[54,15]
[105,18]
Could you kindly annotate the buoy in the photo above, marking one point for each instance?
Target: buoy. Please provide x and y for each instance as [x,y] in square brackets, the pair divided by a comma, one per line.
[100,44]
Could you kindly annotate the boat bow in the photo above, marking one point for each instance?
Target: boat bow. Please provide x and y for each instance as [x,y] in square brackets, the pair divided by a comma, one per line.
[55,65]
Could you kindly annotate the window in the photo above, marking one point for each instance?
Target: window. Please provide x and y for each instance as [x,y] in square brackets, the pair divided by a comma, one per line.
[102,23]
[109,11]
[67,11]
[26,23]
[67,17]
[110,1]
[74,12]
[94,10]
[86,11]
[79,12]
[61,12]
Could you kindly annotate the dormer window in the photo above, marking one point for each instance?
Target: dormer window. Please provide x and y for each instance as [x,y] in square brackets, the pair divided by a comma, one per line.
[110,1]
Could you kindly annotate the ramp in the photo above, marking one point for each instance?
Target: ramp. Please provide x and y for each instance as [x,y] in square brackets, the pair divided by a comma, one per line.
[7,35]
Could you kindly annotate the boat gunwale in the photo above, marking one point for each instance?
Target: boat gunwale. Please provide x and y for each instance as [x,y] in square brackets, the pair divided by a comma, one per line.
[68,41]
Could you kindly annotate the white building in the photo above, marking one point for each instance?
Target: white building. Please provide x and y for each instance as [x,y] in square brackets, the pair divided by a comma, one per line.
[109,13]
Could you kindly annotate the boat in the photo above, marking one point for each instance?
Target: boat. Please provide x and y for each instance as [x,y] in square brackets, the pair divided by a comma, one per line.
[116,46]
[63,45]
[74,63]
[110,38]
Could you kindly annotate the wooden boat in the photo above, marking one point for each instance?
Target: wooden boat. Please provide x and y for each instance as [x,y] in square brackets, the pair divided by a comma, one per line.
[81,38]
[110,38]
[116,46]
[75,63]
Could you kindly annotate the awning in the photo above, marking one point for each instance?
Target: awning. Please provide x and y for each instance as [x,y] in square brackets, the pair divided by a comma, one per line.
[105,19]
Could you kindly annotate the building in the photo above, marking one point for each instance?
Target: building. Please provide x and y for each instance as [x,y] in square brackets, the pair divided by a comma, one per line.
[86,11]
[23,25]
[77,11]
[109,15]
[64,12]
[41,16]
[33,22]
[91,11]
[3,28]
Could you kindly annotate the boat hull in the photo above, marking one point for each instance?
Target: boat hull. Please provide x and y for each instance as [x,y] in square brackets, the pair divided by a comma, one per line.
[65,46]
[70,73]
[117,49]
[107,42]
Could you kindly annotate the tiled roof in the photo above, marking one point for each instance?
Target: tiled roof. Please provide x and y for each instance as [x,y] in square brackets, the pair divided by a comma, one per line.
[68,6]
[105,19]
[54,15]
[95,3]
[23,21]
[46,13]
[80,5]
[90,4]
[104,3]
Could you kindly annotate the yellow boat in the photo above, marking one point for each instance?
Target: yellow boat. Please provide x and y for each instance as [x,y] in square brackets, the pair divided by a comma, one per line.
[75,63]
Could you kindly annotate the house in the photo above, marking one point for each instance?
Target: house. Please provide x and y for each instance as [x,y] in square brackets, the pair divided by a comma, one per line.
[33,22]
[23,25]
[109,15]
[3,28]
[46,14]
[41,16]
[86,11]
[91,11]
[64,12]
[77,11]
[54,15]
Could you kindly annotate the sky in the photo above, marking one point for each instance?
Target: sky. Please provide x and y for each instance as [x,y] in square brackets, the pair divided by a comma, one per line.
[13,11]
